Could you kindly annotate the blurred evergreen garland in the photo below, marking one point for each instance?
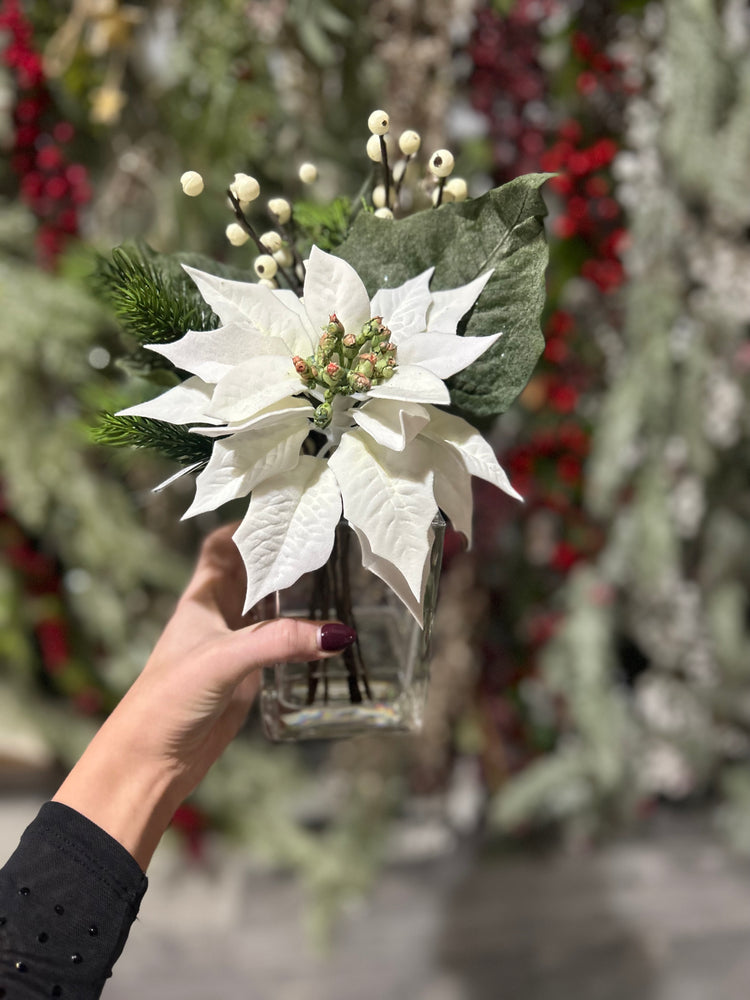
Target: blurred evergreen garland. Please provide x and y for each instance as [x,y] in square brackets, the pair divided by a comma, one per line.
[632,677]
[615,666]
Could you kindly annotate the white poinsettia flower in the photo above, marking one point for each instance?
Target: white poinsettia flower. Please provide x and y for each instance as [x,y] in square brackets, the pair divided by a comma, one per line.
[331,401]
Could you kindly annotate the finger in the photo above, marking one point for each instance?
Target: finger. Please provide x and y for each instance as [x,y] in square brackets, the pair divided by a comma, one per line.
[218,558]
[218,583]
[281,640]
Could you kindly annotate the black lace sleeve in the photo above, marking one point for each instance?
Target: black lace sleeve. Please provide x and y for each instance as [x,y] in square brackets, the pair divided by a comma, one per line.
[68,896]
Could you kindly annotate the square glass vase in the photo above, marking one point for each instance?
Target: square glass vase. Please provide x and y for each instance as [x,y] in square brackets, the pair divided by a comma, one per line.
[379,683]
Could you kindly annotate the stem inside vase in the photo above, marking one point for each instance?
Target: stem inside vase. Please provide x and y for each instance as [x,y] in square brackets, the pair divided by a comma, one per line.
[332,598]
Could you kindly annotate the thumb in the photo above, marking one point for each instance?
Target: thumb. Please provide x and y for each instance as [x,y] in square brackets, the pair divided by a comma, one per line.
[281,640]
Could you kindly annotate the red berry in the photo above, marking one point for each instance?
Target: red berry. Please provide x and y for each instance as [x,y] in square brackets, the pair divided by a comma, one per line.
[63,132]
[562,397]
[555,351]
[49,158]
[564,227]
[586,83]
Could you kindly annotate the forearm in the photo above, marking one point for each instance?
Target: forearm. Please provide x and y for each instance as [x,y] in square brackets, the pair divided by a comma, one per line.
[119,788]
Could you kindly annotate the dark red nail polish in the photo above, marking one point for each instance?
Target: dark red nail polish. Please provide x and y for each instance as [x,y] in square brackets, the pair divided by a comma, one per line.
[334,636]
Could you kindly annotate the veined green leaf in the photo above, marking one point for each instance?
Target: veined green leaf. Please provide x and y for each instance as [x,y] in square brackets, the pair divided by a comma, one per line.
[504,231]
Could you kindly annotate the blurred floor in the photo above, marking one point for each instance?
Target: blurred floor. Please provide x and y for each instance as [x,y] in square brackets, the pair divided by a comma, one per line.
[661,916]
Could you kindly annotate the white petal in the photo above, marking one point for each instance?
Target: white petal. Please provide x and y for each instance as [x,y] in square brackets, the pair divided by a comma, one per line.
[254,386]
[239,463]
[177,475]
[475,452]
[275,413]
[225,297]
[452,488]
[450,306]
[213,353]
[294,303]
[413,384]
[333,286]
[390,422]
[393,578]
[404,309]
[243,301]
[187,403]
[289,527]
[443,354]
[390,500]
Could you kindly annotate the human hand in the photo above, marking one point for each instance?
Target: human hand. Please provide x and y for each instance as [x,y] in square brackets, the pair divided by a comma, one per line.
[188,702]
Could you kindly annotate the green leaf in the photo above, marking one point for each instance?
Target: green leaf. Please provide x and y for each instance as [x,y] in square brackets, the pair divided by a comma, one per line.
[503,230]
[171,440]
[324,225]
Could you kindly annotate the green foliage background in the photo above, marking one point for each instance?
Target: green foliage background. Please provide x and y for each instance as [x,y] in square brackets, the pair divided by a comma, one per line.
[250,86]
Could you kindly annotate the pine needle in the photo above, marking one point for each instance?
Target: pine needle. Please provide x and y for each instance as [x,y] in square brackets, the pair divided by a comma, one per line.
[151,295]
[171,440]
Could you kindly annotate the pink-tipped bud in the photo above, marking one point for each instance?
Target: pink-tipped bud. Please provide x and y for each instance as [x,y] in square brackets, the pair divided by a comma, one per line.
[333,375]
[328,342]
[359,382]
[349,340]
[372,328]
[364,367]
[335,325]
[301,366]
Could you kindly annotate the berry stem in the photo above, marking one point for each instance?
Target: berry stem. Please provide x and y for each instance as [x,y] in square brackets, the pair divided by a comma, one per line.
[243,221]
[386,171]
[288,231]
[402,175]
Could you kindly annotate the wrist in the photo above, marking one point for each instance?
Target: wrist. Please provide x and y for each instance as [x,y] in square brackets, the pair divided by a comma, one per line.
[132,798]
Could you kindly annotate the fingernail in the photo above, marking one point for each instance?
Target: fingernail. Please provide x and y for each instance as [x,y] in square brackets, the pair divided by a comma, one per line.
[334,636]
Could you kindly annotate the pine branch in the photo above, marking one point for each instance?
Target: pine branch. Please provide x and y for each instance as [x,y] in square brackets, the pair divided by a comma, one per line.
[171,440]
[151,295]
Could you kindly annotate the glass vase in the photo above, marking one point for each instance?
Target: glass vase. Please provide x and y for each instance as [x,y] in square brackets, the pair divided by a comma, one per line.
[379,683]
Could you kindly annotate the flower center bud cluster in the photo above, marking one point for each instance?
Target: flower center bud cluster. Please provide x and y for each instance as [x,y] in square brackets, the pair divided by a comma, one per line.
[345,363]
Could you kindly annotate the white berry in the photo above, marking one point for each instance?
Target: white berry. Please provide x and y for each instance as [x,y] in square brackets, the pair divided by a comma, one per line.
[409,142]
[456,187]
[265,266]
[444,199]
[441,163]
[379,122]
[384,213]
[192,183]
[271,241]
[268,283]
[283,257]
[236,234]
[280,209]
[378,196]
[245,188]
[373,149]
[308,173]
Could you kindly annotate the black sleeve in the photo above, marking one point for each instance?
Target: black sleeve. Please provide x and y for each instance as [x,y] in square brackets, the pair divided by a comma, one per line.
[68,896]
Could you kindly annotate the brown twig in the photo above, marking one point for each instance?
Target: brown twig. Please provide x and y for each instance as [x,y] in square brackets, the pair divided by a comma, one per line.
[295,285]
[386,170]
